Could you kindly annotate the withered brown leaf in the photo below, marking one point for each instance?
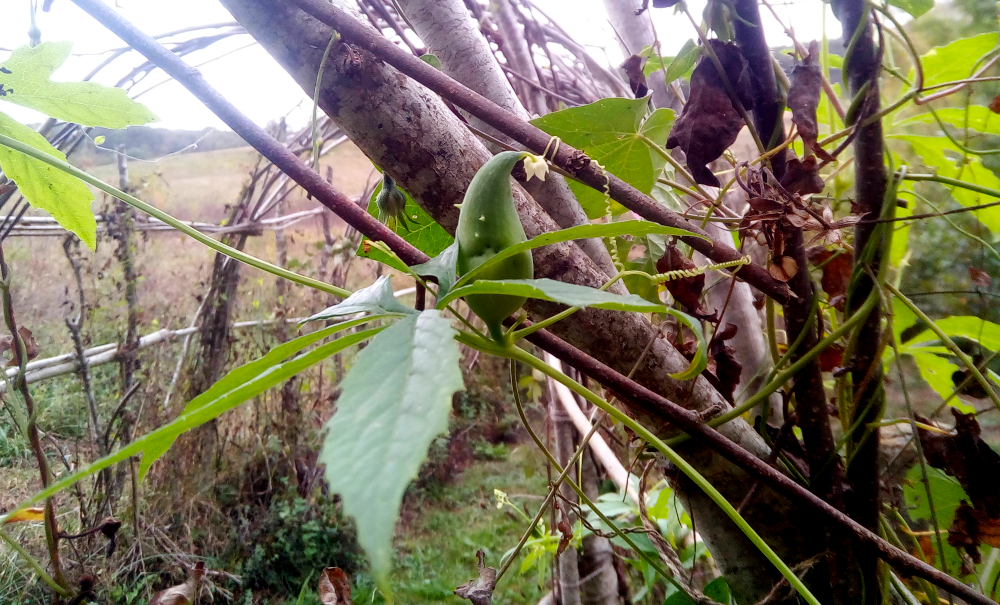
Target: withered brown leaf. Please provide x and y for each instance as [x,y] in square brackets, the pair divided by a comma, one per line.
[727,369]
[709,122]
[30,346]
[181,594]
[480,590]
[687,290]
[979,277]
[636,79]
[995,104]
[802,176]
[783,269]
[803,99]
[837,266]
[968,458]
[334,587]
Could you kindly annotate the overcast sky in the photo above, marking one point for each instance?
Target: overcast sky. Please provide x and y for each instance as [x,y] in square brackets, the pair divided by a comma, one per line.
[257,85]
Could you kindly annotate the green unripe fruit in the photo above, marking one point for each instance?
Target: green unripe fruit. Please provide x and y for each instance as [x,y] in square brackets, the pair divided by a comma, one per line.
[487,224]
[391,202]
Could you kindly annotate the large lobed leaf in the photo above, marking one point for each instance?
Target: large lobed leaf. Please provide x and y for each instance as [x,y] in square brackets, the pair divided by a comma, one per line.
[956,60]
[616,134]
[395,401]
[45,187]
[24,78]
[932,153]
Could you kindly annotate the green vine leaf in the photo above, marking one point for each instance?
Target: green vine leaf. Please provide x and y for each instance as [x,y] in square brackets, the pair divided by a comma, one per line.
[956,60]
[932,153]
[978,118]
[24,80]
[376,298]
[556,291]
[616,134]
[680,66]
[442,267]
[395,401]
[914,7]
[45,187]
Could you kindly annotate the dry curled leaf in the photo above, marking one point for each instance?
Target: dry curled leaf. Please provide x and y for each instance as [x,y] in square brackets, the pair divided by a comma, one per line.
[334,587]
[803,99]
[30,346]
[566,532]
[995,104]
[979,277]
[181,594]
[802,176]
[972,527]
[723,363]
[686,290]
[709,122]
[968,458]
[636,79]
[480,590]
[783,269]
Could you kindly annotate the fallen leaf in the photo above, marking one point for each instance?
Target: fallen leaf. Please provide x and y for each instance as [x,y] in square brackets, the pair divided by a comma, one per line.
[803,99]
[334,587]
[979,277]
[686,290]
[480,590]
[972,527]
[26,515]
[802,176]
[837,266]
[636,78]
[709,123]
[181,594]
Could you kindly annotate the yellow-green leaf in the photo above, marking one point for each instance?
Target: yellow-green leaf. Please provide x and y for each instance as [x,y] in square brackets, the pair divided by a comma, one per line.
[45,187]
[24,79]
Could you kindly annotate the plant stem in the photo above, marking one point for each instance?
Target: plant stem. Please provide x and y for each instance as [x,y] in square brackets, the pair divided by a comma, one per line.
[696,477]
[62,590]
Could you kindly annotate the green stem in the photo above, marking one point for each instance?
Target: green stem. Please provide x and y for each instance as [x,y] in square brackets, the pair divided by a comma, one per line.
[35,566]
[644,433]
[166,218]
[948,342]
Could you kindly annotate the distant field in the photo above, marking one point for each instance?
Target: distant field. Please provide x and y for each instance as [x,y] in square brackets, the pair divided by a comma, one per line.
[173,268]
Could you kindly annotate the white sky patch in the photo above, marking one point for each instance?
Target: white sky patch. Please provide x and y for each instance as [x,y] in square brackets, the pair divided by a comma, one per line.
[257,85]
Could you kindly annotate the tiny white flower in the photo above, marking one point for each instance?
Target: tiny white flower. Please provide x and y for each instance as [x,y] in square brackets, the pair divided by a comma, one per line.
[482,217]
[535,165]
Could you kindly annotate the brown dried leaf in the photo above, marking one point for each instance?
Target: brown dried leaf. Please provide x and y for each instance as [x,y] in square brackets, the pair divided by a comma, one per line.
[709,123]
[837,266]
[802,176]
[763,204]
[687,290]
[566,530]
[831,358]
[803,99]
[971,528]
[979,277]
[727,369]
[969,459]
[30,346]
[783,269]
[636,79]
[995,104]
[480,590]
[181,594]
[334,587]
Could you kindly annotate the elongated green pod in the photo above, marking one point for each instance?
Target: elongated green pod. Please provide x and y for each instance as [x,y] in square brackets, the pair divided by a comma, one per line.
[487,224]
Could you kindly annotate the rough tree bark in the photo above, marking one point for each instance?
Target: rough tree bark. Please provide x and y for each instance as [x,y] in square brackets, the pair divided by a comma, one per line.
[636,32]
[408,131]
